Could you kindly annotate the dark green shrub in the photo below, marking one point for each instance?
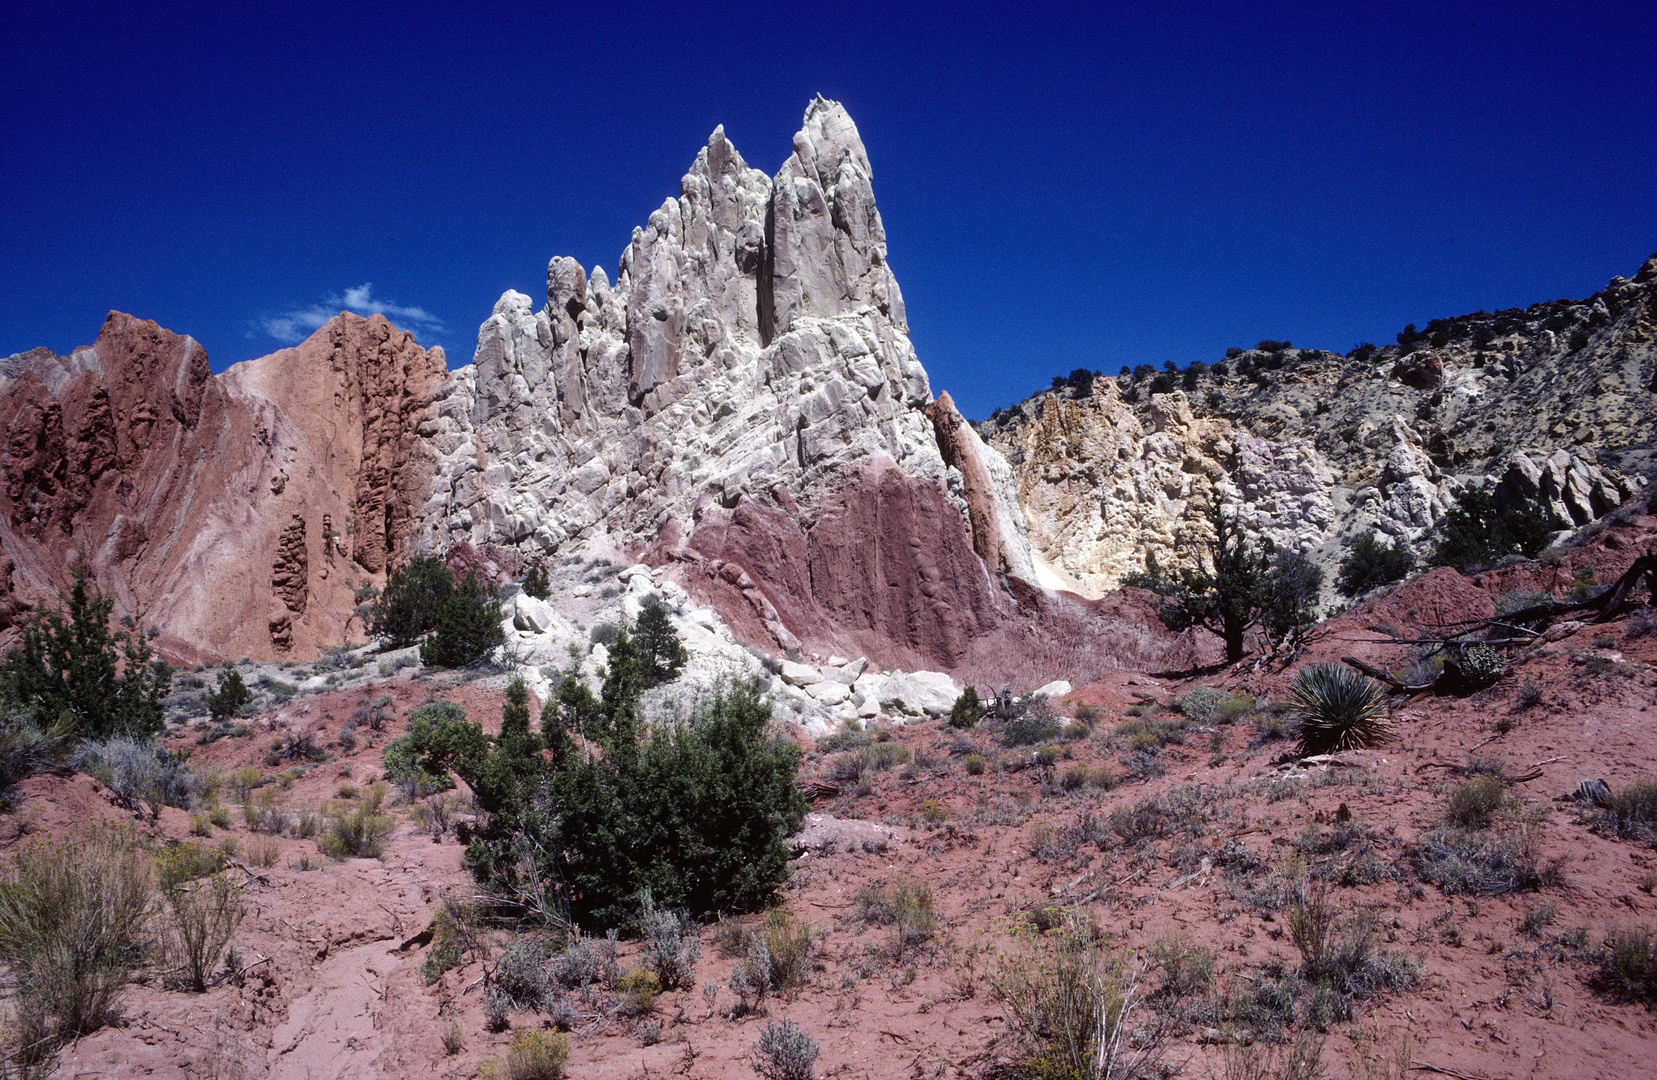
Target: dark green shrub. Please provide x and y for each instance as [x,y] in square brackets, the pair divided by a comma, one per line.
[537,582]
[439,735]
[966,710]
[1476,533]
[1339,709]
[231,694]
[661,655]
[1370,564]
[68,665]
[414,594]
[697,814]
[468,627]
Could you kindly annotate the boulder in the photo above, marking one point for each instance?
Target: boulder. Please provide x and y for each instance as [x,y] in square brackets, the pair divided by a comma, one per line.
[917,693]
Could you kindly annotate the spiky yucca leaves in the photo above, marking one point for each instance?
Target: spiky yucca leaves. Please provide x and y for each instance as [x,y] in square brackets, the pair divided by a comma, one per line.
[1339,709]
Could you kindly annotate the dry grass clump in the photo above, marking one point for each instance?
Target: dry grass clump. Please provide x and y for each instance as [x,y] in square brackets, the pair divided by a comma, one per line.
[1474,804]
[358,832]
[203,917]
[72,922]
[1632,812]
[1073,1009]
[905,905]
[776,958]
[532,1055]
[1627,968]
[1489,845]
[1341,956]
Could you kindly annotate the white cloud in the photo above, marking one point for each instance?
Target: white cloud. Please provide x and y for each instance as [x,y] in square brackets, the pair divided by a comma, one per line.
[292,327]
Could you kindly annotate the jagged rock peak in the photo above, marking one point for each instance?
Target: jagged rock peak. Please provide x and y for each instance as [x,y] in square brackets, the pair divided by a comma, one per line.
[743,402]
[754,336]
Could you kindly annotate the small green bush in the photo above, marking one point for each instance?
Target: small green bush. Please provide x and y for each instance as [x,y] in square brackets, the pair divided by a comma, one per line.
[138,772]
[1474,804]
[439,736]
[355,834]
[1370,564]
[847,738]
[1036,725]
[532,1055]
[231,694]
[537,582]
[883,756]
[1632,812]
[1484,862]
[967,709]
[1338,709]
[1628,967]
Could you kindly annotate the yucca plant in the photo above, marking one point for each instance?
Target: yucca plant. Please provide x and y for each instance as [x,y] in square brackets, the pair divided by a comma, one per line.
[1339,709]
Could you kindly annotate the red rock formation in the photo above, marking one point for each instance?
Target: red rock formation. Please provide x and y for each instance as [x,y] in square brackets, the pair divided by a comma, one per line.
[883,566]
[976,488]
[290,575]
[195,499]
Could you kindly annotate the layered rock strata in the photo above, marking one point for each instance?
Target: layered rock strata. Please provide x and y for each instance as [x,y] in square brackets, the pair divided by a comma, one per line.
[743,406]
[204,505]
[1550,405]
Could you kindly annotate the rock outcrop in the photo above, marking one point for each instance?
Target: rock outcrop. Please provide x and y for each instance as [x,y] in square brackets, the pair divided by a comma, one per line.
[204,505]
[743,407]
[1549,405]
[1102,484]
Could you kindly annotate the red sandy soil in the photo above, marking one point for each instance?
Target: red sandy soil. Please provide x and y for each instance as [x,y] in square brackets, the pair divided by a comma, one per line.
[331,990]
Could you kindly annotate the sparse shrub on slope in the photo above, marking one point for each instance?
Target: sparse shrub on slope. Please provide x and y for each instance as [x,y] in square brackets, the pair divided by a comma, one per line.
[1339,709]
[1237,585]
[139,772]
[72,920]
[784,1052]
[1628,967]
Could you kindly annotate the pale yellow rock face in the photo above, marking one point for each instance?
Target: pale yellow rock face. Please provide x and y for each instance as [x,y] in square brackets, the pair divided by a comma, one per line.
[1102,488]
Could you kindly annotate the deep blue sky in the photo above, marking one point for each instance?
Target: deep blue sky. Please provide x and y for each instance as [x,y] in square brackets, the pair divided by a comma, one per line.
[1061,188]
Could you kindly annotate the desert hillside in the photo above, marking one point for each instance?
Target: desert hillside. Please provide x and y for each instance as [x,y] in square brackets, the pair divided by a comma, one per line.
[685,687]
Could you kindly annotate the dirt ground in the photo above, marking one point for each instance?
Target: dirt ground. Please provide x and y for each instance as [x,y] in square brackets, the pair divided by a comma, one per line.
[1180,839]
